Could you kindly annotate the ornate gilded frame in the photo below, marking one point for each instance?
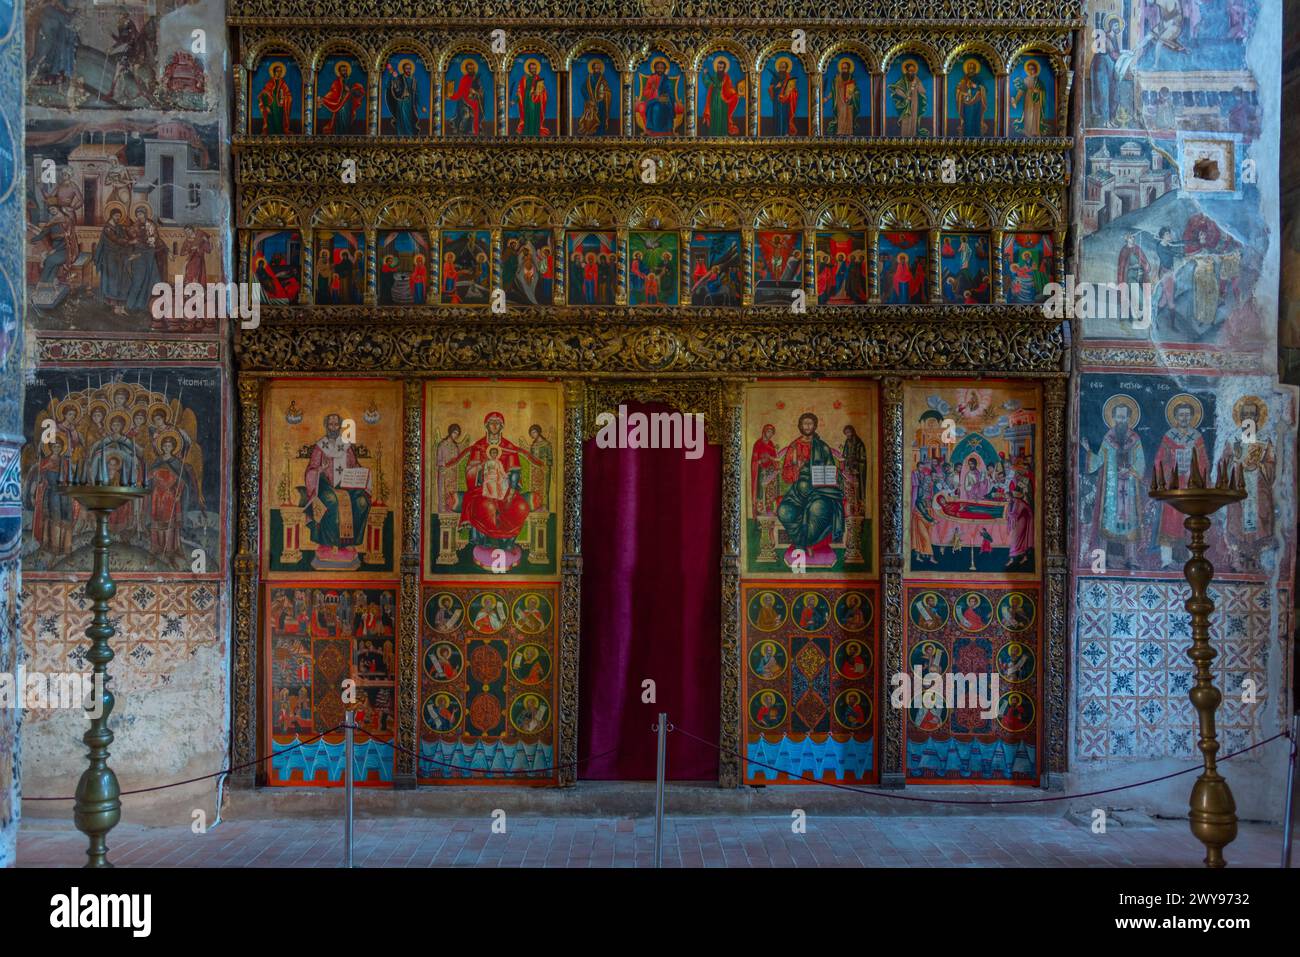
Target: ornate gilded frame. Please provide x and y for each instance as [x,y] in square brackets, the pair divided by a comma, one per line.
[695,358]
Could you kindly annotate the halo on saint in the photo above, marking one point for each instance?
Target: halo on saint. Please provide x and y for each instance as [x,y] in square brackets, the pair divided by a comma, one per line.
[1177,402]
[1114,402]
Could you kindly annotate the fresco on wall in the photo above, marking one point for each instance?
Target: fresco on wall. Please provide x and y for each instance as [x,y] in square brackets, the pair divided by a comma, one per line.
[488,682]
[155,427]
[976,631]
[118,55]
[331,468]
[115,208]
[318,637]
[809,682]
[811,489]
[972,482]
[492,487]
[1133,424]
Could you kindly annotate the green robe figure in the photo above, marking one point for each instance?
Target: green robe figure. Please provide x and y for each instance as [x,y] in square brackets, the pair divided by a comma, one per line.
[532,99]
[812,506]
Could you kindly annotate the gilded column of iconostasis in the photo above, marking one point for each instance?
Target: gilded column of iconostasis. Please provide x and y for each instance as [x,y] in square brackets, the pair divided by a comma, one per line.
[463,221]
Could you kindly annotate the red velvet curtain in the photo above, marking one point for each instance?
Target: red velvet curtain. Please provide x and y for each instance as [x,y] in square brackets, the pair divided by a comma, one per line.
[651,547]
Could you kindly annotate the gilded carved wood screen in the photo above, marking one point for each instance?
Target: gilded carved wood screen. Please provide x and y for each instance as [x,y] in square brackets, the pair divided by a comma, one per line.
[473,232]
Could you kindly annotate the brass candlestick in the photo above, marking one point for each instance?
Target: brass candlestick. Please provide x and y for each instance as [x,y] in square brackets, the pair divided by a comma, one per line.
[1213,814]
[99,804]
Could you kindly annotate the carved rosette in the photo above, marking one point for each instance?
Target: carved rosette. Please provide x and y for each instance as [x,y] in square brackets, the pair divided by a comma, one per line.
[571,581]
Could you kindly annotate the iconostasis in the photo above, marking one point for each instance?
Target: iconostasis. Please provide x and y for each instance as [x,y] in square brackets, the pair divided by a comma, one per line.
[834,236]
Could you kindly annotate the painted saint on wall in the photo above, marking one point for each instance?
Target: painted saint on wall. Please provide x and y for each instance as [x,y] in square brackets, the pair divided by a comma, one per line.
[534,97]
[1032,107]
[904,267]
[716,261]
[404,104]
[841,268]
[973,100]
[277,97]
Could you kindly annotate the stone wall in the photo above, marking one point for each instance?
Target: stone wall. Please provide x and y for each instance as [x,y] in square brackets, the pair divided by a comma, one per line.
[1179,192]
[127,156]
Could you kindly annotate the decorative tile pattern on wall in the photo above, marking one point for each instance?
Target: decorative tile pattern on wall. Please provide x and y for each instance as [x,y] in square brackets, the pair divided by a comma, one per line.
[809,682]
[160,627]
[1132,672]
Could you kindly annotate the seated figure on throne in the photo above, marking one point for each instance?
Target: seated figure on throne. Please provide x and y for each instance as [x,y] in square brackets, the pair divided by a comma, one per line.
[336,506]
[495,504]
[812,506]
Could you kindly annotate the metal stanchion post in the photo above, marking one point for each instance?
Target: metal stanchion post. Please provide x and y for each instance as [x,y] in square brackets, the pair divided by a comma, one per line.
[1289,810]
[347,789]
[660,763]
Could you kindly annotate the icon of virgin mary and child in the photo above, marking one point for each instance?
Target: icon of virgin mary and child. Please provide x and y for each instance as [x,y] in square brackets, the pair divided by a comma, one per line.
[495,505]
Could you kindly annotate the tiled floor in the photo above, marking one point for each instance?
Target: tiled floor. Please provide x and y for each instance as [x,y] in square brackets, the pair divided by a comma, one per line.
[985,841]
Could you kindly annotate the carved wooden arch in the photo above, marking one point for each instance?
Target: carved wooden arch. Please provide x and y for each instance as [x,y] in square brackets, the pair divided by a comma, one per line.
[263,48]
[273,212]
[654,212]
[780,214]
[403,212]
[592,212]
[622,62]
[531,43]
[529,211]
[411,48]
[971,214]
[870,57]
[338,213]
[332,47]
[966,48]
[1036,215]
[906,216]
[914,49]
[717,214]
[843,214]
[687,396]
[460,212]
